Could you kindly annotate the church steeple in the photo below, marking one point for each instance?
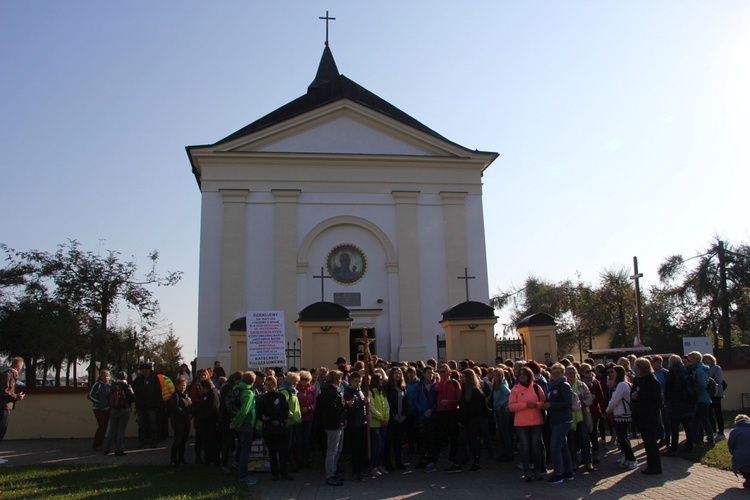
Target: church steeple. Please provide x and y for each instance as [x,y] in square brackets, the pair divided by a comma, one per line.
[327,70]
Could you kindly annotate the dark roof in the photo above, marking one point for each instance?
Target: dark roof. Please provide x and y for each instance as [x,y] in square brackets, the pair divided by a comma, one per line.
[324,311]
[538,319]
[330,86]
[469,310]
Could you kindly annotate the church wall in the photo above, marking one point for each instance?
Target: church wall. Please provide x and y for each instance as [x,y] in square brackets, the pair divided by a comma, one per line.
[259,279]
[433,264]
[210,328]
[477,249]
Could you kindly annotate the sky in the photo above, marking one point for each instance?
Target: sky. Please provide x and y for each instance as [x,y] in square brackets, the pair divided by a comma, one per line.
[622,127]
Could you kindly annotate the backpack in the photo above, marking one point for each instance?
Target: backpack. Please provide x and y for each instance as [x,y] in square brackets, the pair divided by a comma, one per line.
[233,401]
[690,389]
[295,414]
[117,398]
[712,387]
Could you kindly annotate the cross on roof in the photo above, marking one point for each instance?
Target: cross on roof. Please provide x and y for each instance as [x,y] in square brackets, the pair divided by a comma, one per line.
[322,279]
[327,19]
[467,278]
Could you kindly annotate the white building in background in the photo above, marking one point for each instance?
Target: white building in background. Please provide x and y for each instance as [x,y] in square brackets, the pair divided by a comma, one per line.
[339,180]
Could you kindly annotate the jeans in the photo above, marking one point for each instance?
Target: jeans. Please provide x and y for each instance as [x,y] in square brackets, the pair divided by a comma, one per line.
[377,442]
[560,451]
[530,443]
[335,445]
[246,444]
[701,423]
[623,440]
[502,430]
[181,431]
[305,434]
[447,424]
[102,419]
[580,437]
[278,450]
[394,440]
[118,422]
[147,427]
[651,445]
[715,415]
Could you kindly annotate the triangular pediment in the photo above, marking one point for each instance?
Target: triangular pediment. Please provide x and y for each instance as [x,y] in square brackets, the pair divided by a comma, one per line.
[343,127]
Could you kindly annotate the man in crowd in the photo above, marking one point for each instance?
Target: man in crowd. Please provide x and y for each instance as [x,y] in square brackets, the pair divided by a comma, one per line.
[8,377]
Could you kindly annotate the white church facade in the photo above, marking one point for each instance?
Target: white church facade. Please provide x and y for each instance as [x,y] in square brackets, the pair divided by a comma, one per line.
[341,184]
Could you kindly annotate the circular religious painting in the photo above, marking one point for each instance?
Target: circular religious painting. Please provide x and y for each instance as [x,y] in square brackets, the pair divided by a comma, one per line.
[346,263]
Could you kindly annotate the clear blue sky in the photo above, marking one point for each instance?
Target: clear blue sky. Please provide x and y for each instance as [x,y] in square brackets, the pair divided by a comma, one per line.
[623,127]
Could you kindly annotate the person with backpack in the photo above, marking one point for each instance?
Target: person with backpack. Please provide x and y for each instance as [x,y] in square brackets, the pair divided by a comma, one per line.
[241,407]
[559,406]
[715,414]
[227,436]
[619,408]
[289,389]
[272,409]
[179,411]
[646,407]
[680,395]
[701,422]
[121,397]
[99,396]
[525,401]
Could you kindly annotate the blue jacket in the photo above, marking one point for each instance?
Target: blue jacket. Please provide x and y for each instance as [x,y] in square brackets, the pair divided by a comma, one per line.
[560,398]
[700,372]
[739,444]
[426,400]
[661,376]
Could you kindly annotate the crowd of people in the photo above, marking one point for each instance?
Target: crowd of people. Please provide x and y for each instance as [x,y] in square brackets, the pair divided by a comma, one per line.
[454,413]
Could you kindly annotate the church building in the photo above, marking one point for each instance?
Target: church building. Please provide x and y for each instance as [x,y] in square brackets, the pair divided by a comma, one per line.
[339,196]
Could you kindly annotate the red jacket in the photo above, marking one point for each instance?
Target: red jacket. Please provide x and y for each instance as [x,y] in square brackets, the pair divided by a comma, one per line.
[519,396]
[449,390]
[306,396]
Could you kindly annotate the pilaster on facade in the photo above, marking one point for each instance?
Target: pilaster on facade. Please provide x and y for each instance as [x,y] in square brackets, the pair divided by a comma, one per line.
[233,243]
[285,256]
[456,254]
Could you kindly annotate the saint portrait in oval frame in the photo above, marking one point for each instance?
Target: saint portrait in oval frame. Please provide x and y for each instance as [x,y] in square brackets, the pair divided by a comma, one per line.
[346,263]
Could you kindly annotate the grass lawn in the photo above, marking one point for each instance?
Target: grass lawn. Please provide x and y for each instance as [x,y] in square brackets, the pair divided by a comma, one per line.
[117,481]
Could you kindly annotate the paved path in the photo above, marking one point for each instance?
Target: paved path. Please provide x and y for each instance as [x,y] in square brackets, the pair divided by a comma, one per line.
[681,479]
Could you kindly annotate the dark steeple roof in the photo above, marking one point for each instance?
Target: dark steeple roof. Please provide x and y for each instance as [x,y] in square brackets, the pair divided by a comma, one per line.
[327,70]
[329,86]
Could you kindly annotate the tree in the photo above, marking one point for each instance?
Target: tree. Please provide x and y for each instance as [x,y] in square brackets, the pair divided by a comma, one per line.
[169,354]
[713,293]
[94,286]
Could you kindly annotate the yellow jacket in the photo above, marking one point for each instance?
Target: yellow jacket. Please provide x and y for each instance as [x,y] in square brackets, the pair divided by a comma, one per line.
[379,409]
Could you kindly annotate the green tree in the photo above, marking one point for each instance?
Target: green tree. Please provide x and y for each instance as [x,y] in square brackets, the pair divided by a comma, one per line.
[169,354]
[713,293]
[94,286]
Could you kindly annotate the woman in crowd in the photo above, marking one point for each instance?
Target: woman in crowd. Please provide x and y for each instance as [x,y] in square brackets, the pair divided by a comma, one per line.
[501,414]
[715,415]
[330,414]
[379,417]
[525,401]
[472,410]
[587,376]
[178,408]
[681,408]
[206,424]
[306,397]
[356,424]
[272,410]
[121,397]
[739,447]
[579,436]
[646,405]
[196,395]
[99,396]
[619,408]
[398,403]
[559,405]
[227,436]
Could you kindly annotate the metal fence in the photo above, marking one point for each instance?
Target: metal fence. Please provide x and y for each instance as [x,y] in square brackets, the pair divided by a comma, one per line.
[293,353]
[509,349]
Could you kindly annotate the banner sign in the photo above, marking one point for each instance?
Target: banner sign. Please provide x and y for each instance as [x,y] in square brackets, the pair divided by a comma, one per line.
[265,339]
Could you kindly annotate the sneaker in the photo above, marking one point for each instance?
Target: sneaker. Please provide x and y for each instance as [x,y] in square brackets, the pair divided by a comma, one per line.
[555,480]
[453,468]
[3,461]
[248,480]
[383,471]
[430,468]
[632,464]
[475,468]
[374,472]
[650,471]
[568,477]
[333,481]
[621,461]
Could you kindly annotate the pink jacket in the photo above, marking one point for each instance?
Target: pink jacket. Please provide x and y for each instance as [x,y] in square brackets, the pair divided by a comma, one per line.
[519,396]
[306,396]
